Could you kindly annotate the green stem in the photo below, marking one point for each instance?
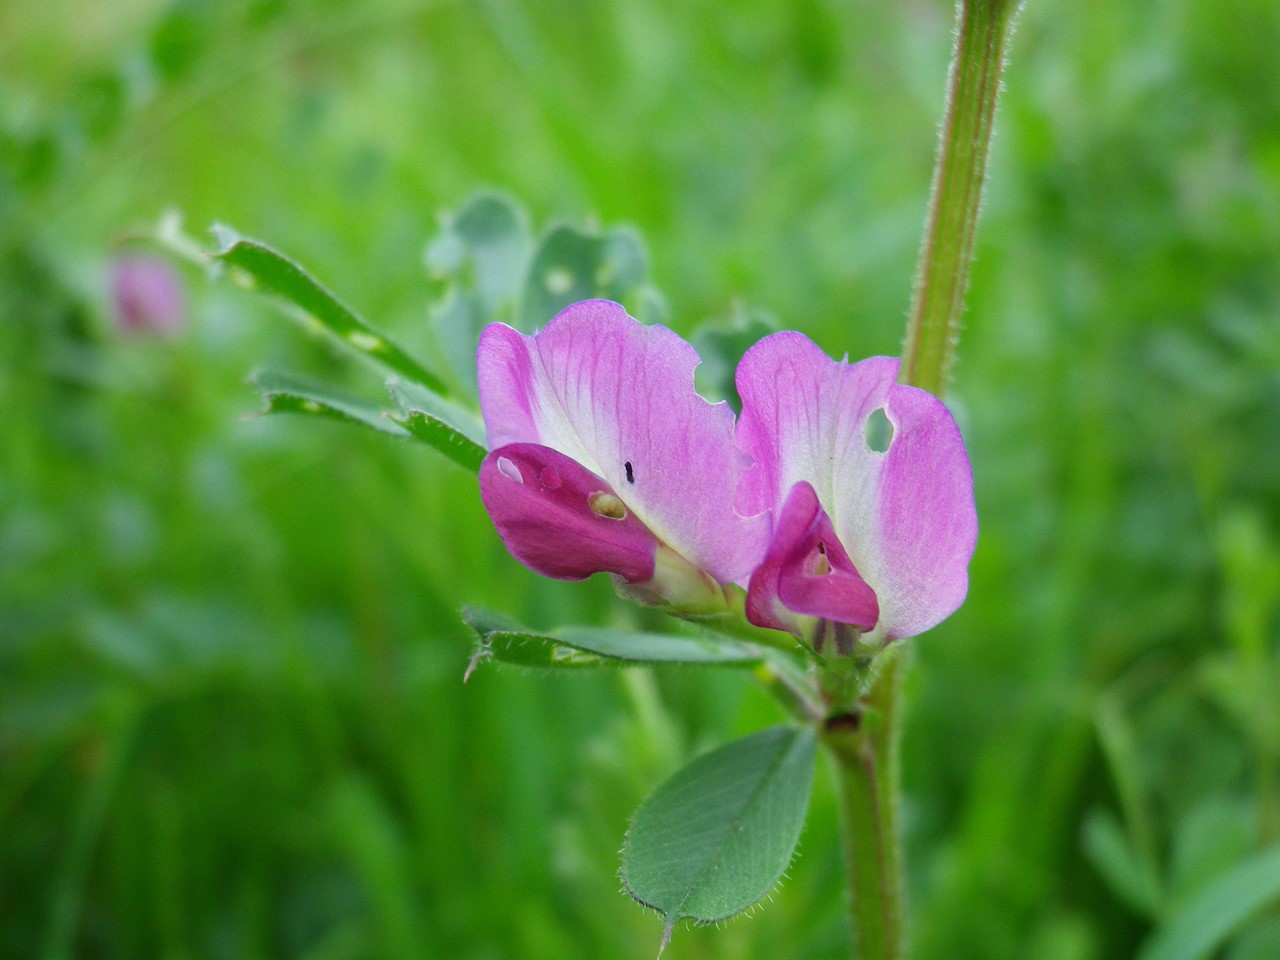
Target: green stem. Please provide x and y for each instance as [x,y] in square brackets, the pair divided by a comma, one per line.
[863,745]
[946,252]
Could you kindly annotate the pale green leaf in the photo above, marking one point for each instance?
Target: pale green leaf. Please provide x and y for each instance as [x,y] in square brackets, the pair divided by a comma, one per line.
[453,430]
[289,393]
[481,257]
[716,838]
[721,345]
[1259,942]
[267,269]
[1209,836]
[505,641]
[1107,847]
[1210,917]
[571,265]
[496,234]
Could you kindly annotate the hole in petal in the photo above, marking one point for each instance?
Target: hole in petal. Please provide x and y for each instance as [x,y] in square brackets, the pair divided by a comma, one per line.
[607,505]
[509,470]
[631,474]
[878,431]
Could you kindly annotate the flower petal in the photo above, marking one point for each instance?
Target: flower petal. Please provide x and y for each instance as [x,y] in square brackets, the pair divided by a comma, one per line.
[561,520]
[618,397]
[905,515]
[808,571]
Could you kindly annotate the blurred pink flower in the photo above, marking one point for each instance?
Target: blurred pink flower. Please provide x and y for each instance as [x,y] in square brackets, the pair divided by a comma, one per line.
[147,294]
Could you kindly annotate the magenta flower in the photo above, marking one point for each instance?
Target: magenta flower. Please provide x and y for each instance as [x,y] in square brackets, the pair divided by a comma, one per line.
[604,458]
[868,540]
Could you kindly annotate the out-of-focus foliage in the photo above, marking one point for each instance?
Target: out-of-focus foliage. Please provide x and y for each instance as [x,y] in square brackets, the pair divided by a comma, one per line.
[231,716]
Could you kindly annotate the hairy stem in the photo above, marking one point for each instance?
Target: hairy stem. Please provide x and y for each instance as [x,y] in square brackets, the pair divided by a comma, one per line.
[865,744]
[946,251]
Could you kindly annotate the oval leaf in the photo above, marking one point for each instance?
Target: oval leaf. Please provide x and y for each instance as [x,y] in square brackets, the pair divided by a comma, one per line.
[480,258]
[1211,916]
[571,265]
[496,234]
[713,840]
[272,271]
[453,430]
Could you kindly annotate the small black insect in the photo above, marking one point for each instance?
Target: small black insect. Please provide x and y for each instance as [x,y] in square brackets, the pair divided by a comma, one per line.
[631,477]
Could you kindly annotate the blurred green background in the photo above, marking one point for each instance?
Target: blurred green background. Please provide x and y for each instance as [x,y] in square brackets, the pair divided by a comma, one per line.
[231,716]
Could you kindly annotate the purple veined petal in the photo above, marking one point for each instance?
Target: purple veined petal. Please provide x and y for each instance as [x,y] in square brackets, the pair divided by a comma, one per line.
[807,571]
[905,515]
[618,397]
[560,519]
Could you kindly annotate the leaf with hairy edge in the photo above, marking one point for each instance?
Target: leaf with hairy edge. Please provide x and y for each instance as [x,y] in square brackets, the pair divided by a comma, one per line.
[1218,910]
[270,270]
[505,641]
[288,393]
[716,838]
[453,430]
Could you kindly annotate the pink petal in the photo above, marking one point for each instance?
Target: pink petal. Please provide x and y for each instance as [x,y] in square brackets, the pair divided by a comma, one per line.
[560,519]
[808,572]
[618,397]
[906,516]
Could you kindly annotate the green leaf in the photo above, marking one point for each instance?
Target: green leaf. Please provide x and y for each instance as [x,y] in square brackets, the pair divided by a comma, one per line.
[459,319]
[505,641]
[1209,836]
[1107,847]
[713,840]
[1212,915]
[453,430]
[481,255]
[572,265]
[288,393]
[634,646]
[1257,943]
[721,345]
[496,234]
[270,270]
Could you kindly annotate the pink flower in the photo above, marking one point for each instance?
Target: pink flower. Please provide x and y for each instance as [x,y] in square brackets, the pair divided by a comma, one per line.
[604,458]
[148,295]
[866,540]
